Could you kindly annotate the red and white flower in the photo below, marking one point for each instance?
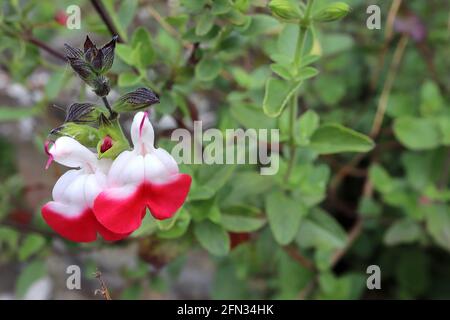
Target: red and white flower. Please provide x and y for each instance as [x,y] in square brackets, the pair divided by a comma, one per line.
[145,177]
[70,213]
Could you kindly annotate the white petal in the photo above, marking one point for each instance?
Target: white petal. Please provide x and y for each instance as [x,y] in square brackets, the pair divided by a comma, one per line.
[155,171]
[71,153]
[63,182]
[142,133]
[167,159]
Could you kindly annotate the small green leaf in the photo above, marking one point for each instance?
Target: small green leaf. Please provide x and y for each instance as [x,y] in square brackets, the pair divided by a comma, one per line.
[208,69]
[277,94]
[204,24]
[322,231]
[125,53]
[335,138]
[31,244]
[141,39]
[402,231]
[29,275]
[237,223]
[305,127]
[417,133]
[212,237]
[438,225]
[285,215]
[381,179]
[128,79]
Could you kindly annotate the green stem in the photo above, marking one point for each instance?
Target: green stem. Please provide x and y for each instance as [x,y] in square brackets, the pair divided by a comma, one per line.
[303,29]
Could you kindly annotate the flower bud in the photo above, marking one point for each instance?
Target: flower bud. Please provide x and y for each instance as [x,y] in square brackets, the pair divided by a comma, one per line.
[136,100]
[286,10]
[84,134]
[82,113]
[332,12]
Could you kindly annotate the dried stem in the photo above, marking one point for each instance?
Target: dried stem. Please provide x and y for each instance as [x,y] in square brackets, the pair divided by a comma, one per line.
[103,288]
[382,104]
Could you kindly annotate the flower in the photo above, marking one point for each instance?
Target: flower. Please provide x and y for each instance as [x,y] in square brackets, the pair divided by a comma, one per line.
[70,213]
[145,177]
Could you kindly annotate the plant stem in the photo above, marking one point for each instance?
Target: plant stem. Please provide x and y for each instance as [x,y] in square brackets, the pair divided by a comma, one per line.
[100,8]
[303,28]
[107,105]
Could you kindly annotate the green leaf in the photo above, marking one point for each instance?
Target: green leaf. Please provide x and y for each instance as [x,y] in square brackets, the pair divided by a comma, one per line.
[438,225]
[285,215]
[128,79]
[125,53]
[16,113]
[141,39]
[208,69]
[432,101]
[277,95]
[335,138]
[417,133]
[381,179]
[237,223]
[212,237]
[29,275]
[31,244]
[322,231]
[251,116]
[204,24]
[402,231]
[305,127]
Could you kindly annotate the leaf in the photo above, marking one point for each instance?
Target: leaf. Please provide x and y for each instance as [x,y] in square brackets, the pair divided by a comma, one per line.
[212,237]
[431,100]
[141,39]
[236,223]
[31,244]
[438,225]
[305,127]
[402,231]
[285,215]
[251,116]
[417,133]
[29,275]
[380,179]
[208,69]
[204,24]
[128,79]
[322,231]
[125,53]
[16,113]
[335,138]
[277,95]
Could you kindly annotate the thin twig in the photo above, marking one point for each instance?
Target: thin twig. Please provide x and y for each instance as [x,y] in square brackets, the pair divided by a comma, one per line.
[100,8]
[295,254]
[352,236]
[45,47]
[395,6]
[382,104]
[103,288]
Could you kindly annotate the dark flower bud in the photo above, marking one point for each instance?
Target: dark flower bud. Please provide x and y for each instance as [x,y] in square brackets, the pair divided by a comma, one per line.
[108,54]
[136,100]
[101,86]
[82,113]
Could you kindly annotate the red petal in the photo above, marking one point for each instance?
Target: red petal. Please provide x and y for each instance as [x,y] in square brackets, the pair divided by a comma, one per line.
[164,200]
[120,215]
[124,215]
[80,228]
